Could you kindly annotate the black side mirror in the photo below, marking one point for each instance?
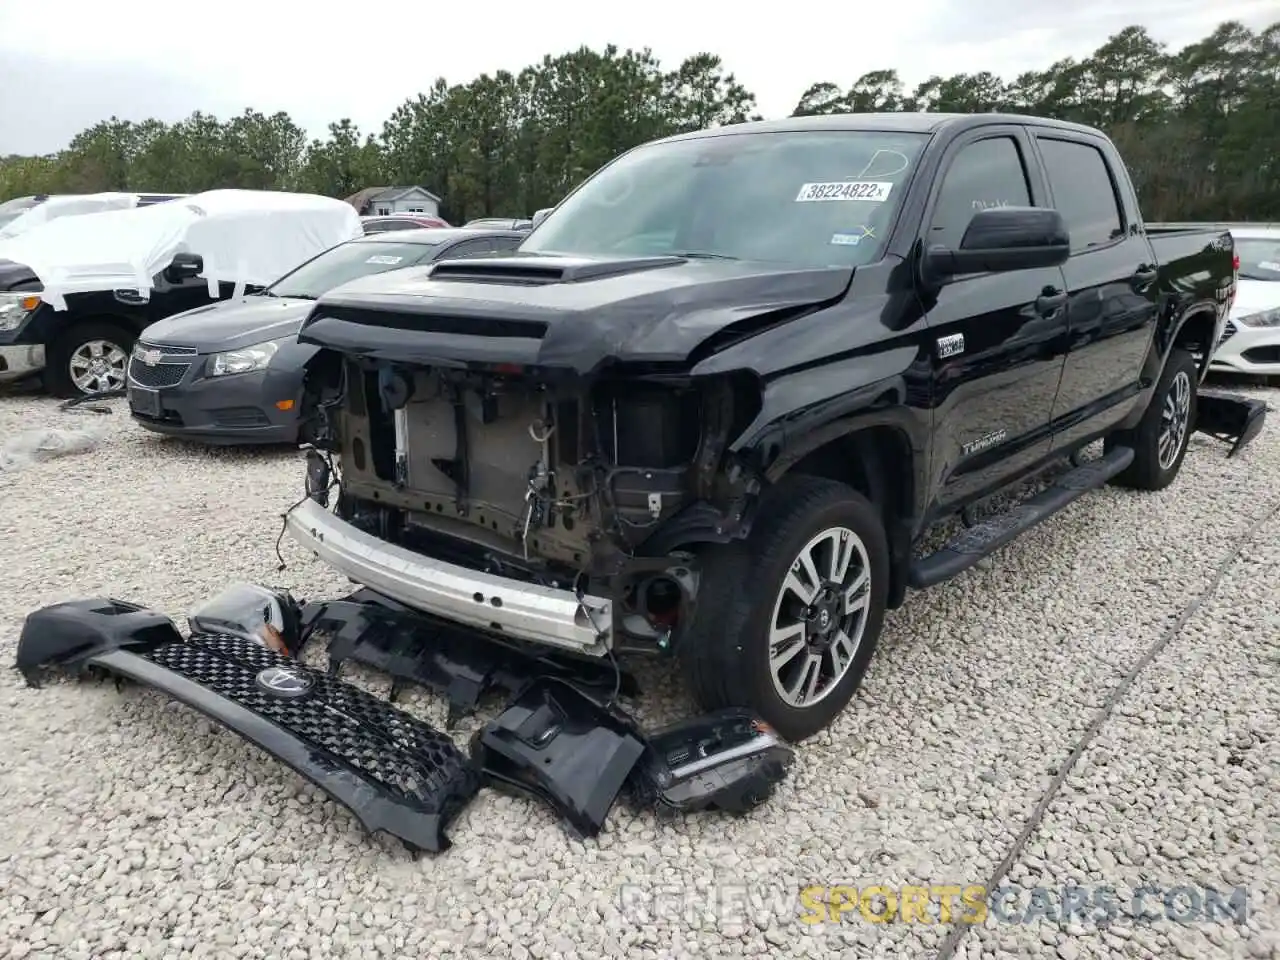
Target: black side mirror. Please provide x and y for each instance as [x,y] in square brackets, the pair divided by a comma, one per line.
[539,216]
[184,267]
[1002,239]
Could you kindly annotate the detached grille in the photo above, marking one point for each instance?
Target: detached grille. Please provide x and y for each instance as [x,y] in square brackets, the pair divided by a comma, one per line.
[403,755]
[1228,331]
[161,375]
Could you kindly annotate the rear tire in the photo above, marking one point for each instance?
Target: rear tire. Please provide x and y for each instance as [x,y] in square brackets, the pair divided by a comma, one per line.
[764,636]
[90,357]
[1160,439]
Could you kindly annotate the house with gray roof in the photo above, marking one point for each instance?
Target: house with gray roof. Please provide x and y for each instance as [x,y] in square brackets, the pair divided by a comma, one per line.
[380,201]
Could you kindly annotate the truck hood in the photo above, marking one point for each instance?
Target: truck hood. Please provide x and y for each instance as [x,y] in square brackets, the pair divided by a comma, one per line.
[557,311]
[12,274]
[231,324]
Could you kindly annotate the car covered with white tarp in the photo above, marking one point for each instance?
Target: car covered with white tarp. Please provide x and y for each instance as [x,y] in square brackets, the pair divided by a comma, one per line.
[76,291]
[74,205]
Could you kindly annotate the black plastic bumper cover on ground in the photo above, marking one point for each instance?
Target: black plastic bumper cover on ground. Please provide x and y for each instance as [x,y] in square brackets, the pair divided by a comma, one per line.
[1230,418]
[394,772]
[557,744]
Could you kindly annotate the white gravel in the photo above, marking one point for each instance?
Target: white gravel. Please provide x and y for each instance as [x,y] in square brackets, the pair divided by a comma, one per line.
[133,828]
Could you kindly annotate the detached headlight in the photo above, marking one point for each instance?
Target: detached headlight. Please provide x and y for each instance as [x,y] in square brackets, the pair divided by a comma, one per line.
[1263,318]
[16,307]
[244,360]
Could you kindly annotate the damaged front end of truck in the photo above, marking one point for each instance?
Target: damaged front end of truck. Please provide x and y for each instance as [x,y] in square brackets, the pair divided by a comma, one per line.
[516,474]
[583,445]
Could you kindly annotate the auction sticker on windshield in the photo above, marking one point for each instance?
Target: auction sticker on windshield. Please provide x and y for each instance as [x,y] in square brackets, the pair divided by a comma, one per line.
[384,260]
[876,191]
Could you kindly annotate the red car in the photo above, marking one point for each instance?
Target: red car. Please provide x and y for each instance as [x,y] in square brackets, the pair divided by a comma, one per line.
[401,221]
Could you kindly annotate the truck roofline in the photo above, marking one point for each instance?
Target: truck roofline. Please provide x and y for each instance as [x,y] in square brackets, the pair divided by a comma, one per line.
[924,123]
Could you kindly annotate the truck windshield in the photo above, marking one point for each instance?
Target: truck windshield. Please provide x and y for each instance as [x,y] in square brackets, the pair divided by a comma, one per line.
[812,199]
[1259,259]
[348,261]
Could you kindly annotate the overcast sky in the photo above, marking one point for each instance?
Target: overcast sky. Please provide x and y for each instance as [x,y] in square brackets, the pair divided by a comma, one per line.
[66,65]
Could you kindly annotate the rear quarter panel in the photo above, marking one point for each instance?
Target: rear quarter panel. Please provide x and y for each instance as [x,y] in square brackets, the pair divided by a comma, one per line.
[1197,278]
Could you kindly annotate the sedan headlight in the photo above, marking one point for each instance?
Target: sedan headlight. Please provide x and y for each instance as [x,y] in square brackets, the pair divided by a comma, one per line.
[1263,318]
[244,360]
[16,307]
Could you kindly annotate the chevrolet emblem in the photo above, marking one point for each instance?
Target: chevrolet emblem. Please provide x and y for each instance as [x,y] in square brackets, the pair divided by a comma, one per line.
[150,357]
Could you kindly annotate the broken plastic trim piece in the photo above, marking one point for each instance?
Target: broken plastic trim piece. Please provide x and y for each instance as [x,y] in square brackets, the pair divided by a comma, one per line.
[728,760]
[460,663]
[68,635]
[556,744]
[1230,418]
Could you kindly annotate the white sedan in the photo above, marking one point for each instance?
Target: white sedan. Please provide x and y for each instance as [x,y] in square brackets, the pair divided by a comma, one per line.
[1251,341]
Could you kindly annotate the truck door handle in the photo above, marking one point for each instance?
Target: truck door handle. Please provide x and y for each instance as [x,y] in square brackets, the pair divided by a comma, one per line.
[1144,275]
[1050,302]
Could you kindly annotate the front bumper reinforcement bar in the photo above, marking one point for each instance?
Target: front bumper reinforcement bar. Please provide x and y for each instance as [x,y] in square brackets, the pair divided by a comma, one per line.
[522,611]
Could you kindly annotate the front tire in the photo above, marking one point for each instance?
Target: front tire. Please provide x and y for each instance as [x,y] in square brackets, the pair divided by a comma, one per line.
[91,357]
[787,621]
[1160,439]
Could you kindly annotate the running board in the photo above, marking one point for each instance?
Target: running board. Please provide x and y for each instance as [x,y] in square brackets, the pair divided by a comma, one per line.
[986,538]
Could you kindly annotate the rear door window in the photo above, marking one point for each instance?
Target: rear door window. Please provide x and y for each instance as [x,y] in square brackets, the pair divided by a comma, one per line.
[1083,192]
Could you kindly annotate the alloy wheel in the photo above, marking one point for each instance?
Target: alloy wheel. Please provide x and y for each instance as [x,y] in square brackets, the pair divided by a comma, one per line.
[97,366]
[1175,415]
[819,617]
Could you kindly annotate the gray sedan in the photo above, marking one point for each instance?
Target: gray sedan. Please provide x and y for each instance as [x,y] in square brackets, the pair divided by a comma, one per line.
[231,372]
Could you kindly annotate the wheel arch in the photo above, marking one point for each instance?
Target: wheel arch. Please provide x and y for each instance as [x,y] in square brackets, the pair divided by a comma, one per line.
[877,458]
[1197,334]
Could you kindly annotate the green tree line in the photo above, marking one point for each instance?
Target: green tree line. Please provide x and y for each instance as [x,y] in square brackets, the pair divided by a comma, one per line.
[1199,127]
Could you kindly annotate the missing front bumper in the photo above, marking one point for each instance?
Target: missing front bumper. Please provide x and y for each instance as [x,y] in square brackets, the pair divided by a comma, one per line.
[522,611]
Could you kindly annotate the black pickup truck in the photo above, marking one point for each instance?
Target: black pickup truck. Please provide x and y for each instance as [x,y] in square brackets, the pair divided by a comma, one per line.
[712,404]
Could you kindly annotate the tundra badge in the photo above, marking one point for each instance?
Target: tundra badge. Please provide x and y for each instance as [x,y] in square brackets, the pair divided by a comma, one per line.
[950,346]
[984,443]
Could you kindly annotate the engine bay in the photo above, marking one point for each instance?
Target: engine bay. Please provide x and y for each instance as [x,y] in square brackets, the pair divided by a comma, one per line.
[596,483]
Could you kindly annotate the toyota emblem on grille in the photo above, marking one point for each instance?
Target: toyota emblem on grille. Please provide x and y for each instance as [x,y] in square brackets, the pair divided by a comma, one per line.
[284,682]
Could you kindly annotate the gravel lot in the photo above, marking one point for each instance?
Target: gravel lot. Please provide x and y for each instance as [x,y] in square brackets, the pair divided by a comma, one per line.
[133,828]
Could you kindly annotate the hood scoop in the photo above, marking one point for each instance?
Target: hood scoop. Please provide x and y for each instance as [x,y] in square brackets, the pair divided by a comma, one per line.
[530,271]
